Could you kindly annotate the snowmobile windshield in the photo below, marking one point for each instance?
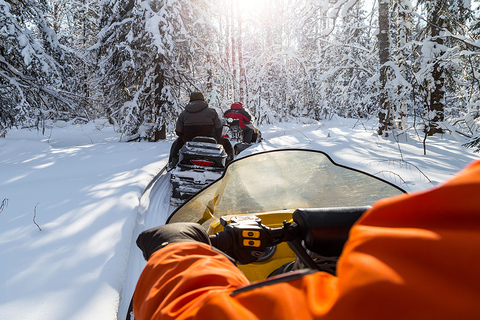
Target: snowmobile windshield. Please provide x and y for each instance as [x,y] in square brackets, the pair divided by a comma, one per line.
[283,180]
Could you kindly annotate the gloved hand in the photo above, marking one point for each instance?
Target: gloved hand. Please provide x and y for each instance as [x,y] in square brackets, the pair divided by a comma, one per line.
[156,238]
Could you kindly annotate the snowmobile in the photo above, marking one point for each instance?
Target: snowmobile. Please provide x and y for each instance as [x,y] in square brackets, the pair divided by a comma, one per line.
[283,210]
[201,161]
[234,134]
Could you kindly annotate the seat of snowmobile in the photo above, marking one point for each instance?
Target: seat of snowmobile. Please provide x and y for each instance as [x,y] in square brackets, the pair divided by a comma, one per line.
[204,139]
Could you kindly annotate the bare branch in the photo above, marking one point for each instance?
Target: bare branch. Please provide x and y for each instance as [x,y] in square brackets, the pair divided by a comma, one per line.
[403,162]
[390,172]
[3,204]
[34,216]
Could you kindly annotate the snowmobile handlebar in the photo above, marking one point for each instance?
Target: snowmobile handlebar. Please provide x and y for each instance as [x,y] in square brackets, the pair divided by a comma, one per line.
[323,230]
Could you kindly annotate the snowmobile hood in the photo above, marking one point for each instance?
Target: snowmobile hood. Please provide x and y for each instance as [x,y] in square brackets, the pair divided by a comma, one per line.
[196,106]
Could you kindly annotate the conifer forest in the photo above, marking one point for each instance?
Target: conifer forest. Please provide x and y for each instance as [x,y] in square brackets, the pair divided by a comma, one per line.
[408,65]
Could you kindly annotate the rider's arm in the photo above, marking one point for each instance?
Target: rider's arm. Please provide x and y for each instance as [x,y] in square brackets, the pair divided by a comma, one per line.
[179,125]
[218,126]
[179,278]
[247,115]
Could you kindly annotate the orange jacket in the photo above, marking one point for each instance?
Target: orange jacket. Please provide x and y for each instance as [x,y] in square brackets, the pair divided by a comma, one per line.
[410,257]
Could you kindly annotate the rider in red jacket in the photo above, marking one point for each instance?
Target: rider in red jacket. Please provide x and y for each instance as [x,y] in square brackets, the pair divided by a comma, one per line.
[409,257]
[239,113]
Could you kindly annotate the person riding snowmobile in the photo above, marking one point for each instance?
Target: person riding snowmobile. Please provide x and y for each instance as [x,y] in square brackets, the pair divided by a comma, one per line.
[237,112]
[198,119]
[413,256]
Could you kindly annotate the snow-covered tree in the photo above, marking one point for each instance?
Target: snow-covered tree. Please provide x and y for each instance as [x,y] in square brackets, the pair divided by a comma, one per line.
[349,66]
[281,58]
[152,54]
[76,26]
[402,88]
[35,69]
[439,64]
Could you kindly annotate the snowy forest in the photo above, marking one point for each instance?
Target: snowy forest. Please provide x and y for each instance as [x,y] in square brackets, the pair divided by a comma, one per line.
[410,65]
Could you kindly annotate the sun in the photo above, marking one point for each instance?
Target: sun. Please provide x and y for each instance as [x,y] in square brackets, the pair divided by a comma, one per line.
[251,9]
[248,4]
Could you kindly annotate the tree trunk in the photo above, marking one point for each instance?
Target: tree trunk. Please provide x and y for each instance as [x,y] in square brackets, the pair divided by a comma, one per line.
[385,116]
[228,50]
[234,51]
[240,56]
[159,130]
[404,29]
[436,104]
[160,134]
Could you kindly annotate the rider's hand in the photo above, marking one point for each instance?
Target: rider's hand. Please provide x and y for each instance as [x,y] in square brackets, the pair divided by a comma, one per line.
[156,238]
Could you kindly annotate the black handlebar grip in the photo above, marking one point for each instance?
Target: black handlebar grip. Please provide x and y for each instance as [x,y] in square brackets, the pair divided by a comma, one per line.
[213,240]
[325,230]
[222,241]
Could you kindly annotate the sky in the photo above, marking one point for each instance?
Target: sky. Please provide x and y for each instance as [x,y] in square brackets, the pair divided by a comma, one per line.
[75,199]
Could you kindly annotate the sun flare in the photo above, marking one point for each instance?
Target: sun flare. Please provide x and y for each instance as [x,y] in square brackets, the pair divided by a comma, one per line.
[251,9]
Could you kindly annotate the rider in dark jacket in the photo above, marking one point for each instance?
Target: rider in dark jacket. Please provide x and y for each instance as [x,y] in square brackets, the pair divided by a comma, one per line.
[238,112]
[198,119]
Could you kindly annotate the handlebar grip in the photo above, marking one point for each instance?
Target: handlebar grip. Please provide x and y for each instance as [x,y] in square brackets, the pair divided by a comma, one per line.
[213,239]
[326,230]
[222,241]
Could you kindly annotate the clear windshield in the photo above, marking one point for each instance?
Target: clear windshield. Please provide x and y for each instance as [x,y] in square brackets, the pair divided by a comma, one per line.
[284,180]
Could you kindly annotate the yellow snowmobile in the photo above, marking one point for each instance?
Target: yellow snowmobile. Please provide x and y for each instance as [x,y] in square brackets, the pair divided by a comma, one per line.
[283,210]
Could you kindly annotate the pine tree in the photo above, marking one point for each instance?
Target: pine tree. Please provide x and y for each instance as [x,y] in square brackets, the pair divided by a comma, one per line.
[350,65]
[35,70]
[150,53]
[438,68]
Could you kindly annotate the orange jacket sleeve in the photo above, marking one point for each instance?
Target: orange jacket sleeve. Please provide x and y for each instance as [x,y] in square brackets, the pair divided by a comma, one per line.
[409,257]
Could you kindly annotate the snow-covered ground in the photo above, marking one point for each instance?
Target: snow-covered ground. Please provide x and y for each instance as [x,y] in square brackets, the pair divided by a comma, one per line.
[74,200]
